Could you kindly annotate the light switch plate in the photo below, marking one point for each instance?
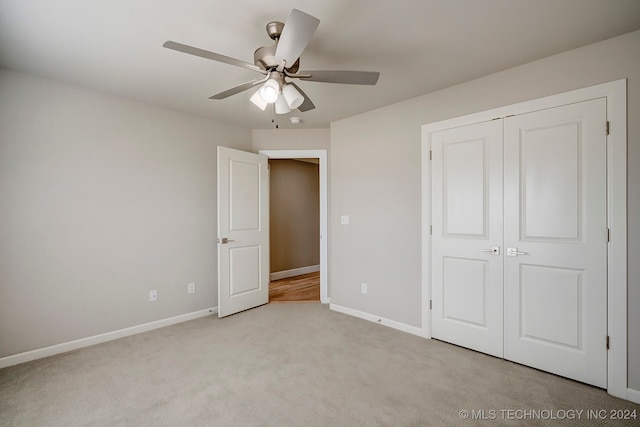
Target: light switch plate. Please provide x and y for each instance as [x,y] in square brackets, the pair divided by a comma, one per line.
[344,220]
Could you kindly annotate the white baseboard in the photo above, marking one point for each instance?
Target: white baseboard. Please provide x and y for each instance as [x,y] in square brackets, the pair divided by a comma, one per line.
[633,395]
[277,275]
[97,339]
[377,319]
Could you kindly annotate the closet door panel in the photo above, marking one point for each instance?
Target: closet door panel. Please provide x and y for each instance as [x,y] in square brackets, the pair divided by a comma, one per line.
[467,224]
[555,291]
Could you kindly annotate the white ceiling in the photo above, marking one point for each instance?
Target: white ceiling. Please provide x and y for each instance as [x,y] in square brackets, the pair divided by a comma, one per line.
[418,46]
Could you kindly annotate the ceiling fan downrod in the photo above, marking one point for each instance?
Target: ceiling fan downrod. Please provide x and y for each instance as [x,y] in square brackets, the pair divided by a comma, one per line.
[274,29]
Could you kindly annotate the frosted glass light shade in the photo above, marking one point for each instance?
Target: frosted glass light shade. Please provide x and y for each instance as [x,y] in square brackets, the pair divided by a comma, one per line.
[258,101]
[293,97]
[270,91]
[281,105]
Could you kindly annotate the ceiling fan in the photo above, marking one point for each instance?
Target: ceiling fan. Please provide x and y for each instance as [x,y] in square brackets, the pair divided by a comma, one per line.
[279,62]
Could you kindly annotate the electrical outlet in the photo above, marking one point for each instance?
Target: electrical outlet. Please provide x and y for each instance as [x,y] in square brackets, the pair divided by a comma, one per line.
[191,288]
[363,288]
[153,295]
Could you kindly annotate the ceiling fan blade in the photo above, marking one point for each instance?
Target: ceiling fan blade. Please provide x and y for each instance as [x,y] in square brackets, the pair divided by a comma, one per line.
[346,77]
[296,35]
[240,88]
[306,104]
[211,55]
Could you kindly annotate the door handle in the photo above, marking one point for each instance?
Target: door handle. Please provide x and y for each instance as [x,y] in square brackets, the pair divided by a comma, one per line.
[514,252]
[223,240]
[495,250]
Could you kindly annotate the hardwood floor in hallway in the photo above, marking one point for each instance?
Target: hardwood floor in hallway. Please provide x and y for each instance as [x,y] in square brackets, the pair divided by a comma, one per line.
[304,288]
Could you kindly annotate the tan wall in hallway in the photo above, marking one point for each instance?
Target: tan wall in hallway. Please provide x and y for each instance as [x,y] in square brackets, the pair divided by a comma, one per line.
[294,214]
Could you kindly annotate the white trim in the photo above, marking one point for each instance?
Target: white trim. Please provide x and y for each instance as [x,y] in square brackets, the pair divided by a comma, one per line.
[97,339]
[616,95]
[426,235]
[578,95]
[376,319]
[321,155]
[633,395]
[277,275]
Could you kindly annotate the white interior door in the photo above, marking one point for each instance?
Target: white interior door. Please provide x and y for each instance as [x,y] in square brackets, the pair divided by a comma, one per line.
[467,236]
[539,298]
[243,231]
[555,291]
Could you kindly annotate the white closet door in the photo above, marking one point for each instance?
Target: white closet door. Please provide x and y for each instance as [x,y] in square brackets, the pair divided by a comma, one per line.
[555,292]
[467,224]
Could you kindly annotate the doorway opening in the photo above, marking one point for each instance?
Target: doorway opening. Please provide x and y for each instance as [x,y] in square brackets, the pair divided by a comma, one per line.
[303,280]
[294,230]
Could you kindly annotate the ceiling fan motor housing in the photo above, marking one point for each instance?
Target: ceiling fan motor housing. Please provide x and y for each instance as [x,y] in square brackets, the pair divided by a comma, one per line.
[264,57]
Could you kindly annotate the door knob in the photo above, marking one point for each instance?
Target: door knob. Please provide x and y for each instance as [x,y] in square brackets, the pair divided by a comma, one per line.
[514,252]
[495,250]
[223,240]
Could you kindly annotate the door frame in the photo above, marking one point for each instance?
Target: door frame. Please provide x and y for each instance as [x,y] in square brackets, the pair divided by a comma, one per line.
[616,95]
[321,155]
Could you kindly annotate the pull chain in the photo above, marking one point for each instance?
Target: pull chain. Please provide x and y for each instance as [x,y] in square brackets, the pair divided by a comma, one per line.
[273,119]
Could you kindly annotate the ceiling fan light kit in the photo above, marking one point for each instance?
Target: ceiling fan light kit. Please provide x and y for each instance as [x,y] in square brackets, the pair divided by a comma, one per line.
[258,101]
[281,106]
[293,97]
[280,61]
[269,91]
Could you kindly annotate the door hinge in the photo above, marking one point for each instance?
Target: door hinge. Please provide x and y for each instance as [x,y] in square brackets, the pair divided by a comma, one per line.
[430,304]
[430,155]
[431,229]
[608,127]
[608,234]
[607,342]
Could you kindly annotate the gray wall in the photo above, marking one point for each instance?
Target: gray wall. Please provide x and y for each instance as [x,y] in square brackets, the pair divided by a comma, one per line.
[294,214]
[290,139]
[101,200]
[375,178]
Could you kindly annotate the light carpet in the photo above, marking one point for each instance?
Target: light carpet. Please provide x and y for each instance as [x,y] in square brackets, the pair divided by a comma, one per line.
[291,365]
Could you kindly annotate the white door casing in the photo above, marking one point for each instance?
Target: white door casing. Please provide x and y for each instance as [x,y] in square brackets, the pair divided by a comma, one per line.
[243,231]
[467,257]
[555,216]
